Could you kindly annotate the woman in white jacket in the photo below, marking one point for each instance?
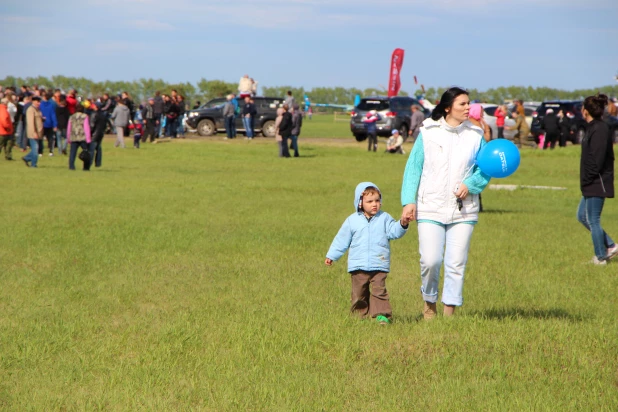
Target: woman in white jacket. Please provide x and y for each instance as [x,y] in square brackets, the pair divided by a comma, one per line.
[440,191]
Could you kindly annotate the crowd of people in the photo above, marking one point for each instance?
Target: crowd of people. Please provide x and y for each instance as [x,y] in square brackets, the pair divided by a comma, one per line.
[32,117]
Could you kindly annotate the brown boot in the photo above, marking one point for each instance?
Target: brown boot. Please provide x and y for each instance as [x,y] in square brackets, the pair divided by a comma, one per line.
[449,310]
[430,311]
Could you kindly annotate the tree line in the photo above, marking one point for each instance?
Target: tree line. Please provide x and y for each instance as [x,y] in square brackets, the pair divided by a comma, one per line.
[205,90]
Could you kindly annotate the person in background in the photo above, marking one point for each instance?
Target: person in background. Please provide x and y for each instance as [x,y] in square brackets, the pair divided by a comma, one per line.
[137,132]
[228,116]
[151,120]
[236,113]
[244,87]
[197,105]
[106,105]
[6,129]
[297,124]
[62,117]
[159,106]
[500,114]
[476,116]
[248,112]
[596,177]
[79,135]
[416,120]
[254,87]
[98,121]
[395,143]
[289,100]
[550,125]
[171,115]
[278,137]
[521,128]
[285,129]
[370,121]
[121,117]
[34,124]
[565,128]
[310,113]
[22,140]
[72,100]
[182,109]
[50,123]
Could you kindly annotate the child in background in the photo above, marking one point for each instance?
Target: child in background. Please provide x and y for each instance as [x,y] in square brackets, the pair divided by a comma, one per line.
[138,129]
[368,265]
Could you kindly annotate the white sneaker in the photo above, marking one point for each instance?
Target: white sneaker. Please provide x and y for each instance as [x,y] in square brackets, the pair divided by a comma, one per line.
[612,252]
[51,154]
[40,155]
[595,261]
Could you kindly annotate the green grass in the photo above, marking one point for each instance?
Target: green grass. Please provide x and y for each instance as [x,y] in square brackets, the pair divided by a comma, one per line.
[189,276]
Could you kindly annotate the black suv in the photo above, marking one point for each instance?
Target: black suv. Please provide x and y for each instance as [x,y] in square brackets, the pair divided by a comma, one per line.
[208,119]
[395,113]
[573,109]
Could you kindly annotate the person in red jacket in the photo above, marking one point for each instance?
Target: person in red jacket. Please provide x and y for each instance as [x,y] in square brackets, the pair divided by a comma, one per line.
[72,100]
[500,114]
[6,130]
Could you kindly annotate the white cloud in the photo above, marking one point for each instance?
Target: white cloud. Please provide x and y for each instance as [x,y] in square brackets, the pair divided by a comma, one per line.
[149,25]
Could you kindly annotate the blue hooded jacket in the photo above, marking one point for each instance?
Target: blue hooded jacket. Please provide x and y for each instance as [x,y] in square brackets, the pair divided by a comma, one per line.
[367,239]
[48,111]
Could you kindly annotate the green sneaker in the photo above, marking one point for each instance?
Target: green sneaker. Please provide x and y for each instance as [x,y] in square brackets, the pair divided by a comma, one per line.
[383,320]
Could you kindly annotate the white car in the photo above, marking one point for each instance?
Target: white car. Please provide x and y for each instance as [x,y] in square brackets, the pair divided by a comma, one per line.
[490,119]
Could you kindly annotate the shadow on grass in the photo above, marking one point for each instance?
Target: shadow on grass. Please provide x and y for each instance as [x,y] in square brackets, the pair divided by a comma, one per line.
[517,313]
[505,314]
[498,211]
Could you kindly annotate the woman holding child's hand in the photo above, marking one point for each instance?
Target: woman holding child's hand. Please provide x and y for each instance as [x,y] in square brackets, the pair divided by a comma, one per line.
[440,192]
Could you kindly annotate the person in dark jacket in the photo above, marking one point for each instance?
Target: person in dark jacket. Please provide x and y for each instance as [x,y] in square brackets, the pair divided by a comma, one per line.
[297,124]
[596,177]
[552,130]
[151,121]
[285,129]
[158,110]
[98,119]
[62,117]
[248,113]
[565,128]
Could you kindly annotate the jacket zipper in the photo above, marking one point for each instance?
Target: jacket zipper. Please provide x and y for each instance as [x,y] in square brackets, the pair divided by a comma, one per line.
[602,185]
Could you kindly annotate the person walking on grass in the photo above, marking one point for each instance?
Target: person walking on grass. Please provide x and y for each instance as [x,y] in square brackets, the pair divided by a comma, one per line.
[440,189]
[50,123]
[248,113]
[297,124]
[285,129]
[521,128]
[551,127]
[79,136]
[370,121]
[228,117]
[416,120]
[368,265]
[34,131]
[500,113]
[596,177]
[62,117]
[278,137]
[121,117]
[98,123]
[151,120]
[6,129]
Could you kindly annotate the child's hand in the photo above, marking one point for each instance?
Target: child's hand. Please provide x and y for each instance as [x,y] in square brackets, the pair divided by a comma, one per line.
[405,221]
[328,262]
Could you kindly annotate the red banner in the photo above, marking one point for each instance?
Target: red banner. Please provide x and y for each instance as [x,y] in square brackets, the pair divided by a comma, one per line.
[394,82]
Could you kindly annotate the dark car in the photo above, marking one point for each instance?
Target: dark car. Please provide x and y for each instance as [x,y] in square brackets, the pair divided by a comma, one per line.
[208,118]
[573,109]
[395,113]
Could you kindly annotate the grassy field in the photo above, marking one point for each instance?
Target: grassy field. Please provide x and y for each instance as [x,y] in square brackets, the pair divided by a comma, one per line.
[189,276]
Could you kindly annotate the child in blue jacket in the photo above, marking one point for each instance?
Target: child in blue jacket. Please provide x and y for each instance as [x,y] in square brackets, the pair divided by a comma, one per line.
[367,233]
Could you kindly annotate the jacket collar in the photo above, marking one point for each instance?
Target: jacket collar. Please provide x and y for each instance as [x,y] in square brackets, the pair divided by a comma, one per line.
[466,125]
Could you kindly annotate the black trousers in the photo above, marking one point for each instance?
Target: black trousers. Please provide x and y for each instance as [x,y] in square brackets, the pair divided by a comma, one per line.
[149,130]
[372,141]
[550,138]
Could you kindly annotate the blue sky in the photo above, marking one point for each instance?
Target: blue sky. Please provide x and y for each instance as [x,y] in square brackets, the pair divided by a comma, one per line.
[472,43]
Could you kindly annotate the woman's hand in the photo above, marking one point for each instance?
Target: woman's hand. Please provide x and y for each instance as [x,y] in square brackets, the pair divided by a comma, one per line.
[462,191]
[409,212]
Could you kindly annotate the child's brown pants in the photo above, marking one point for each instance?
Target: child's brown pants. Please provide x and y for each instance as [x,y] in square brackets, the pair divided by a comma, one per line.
[372,302]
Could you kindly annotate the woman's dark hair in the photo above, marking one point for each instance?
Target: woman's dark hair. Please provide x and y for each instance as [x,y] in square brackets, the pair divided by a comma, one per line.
[595,105]
[79,108]
[446,102]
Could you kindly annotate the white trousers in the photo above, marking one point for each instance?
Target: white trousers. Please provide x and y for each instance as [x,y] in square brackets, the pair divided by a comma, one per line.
[119,137]
[448,243]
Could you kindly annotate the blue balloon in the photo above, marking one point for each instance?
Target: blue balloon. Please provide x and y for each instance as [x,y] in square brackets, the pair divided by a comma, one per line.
[498,158]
